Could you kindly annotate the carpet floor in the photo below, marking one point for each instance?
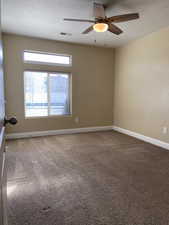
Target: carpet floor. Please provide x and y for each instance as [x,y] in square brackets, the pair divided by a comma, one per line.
[101,178]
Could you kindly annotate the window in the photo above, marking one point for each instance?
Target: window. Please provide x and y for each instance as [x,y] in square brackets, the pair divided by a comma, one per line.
[46,93]
[47,58]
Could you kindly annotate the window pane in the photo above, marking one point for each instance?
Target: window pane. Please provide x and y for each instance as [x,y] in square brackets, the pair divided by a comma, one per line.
[36,94]
[46,58]
[59,94]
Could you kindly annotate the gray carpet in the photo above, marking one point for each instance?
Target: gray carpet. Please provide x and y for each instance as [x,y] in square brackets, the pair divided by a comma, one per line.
[102,178]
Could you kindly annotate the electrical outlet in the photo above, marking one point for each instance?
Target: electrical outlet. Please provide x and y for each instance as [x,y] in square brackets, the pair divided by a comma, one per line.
[76,119]
[164,130]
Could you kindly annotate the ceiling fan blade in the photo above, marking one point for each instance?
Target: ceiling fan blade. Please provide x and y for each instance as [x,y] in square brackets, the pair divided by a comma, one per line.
[79,20]
[114,29]
[123,18]
[98,10]
[87,30]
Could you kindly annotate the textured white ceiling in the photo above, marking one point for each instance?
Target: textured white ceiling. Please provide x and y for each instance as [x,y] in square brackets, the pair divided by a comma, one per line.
[44,18]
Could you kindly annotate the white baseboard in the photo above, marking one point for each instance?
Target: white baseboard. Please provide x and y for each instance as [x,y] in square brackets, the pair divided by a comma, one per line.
[88,129]
[56,132]
[142,137]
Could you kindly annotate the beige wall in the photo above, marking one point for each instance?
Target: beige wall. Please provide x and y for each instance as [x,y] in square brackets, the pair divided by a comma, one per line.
[92,80]
[141,94]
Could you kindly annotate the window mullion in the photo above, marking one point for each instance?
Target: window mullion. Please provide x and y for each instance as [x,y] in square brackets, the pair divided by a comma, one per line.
[48,94]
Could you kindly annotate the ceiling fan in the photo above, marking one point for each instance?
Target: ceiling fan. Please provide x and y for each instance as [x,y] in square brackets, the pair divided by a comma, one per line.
[103,23]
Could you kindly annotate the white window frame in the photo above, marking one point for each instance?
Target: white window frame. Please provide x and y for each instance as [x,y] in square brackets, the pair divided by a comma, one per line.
[47,63]
[48,97]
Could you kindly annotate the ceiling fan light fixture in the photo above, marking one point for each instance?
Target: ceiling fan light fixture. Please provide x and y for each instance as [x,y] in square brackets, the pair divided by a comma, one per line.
[100,27]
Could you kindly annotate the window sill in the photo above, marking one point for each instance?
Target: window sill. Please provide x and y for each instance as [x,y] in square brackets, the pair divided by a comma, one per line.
[47,117]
